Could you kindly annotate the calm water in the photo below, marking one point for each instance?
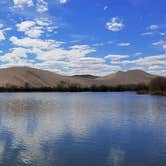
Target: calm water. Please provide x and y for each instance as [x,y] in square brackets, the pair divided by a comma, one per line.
[82,129]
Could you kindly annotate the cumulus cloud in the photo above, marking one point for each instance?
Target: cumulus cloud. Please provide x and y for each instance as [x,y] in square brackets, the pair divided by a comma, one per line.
[51,55]
[155,62]
[148,60]
[115,24]
[24,26]
[2,31]
[42,6]
[35,28]
[151,60]
[76,59]
[33,48]
[34,43]
[22,3]
[15,56]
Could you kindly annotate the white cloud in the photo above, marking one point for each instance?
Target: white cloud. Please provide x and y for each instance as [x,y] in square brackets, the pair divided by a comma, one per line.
[25,25]
[151,60]
[164,47]
[22,3]
[155,64]
[35,43]
[76,59]
[15,55]
[98,44]
[147,33]
[2,37]
[1,26]
[30,29]
[34,33]
[146,63]
[161,44]
[63,1]
[105,7]
[35,28]
[138,53]
[124,44]
[114,57]
[52,56]
[41,6]
[153,27]
[115,24]
[162,33]
[2,31]
[73,53]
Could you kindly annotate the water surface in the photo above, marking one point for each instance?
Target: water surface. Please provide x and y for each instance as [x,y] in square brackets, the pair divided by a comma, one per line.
[82,129]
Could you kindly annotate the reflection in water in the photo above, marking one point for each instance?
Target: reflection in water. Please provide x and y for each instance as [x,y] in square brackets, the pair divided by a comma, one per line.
[83,129]
[116,156]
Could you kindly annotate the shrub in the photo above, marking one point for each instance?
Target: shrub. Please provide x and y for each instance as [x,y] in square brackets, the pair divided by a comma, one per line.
[158,84]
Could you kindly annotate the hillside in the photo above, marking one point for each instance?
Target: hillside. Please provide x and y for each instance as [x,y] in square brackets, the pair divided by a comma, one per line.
[25,77]
[126,78]
[33,78]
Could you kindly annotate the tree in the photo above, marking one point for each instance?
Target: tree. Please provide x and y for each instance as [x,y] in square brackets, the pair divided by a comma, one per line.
[158,84]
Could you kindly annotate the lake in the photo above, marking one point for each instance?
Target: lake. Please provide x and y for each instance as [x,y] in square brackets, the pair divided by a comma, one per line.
[82,129]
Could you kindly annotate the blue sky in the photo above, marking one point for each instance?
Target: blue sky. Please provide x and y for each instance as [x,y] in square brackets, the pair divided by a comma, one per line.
[84,37]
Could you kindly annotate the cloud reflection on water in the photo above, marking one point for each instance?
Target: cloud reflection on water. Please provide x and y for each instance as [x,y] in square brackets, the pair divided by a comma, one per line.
[42,129]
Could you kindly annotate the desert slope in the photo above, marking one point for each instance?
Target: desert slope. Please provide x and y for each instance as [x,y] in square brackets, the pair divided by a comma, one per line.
[126,78]
[34,78]
[20,76]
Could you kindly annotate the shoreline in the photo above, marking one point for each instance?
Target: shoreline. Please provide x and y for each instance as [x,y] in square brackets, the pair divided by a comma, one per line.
[158,93]
[141,92]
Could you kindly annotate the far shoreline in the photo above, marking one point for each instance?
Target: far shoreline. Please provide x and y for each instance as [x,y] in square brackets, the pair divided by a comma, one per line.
[157,93]
[157,86]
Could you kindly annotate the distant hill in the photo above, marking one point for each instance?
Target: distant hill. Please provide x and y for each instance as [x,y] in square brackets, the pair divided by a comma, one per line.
[126,78]
[26,77]
[34,78]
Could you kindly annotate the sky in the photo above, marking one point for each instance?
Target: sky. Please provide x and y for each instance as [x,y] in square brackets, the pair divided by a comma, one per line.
[96,37]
